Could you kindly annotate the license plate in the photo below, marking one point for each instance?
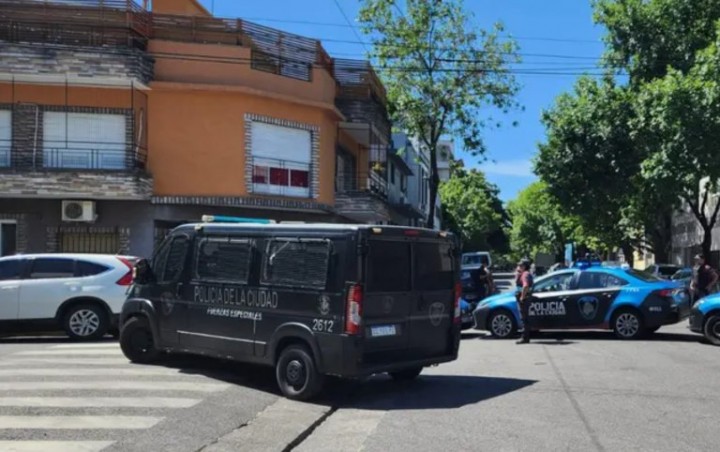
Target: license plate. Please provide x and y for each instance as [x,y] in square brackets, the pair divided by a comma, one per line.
[378,331]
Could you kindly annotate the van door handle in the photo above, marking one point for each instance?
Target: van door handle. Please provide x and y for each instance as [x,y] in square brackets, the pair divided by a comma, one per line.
[178,289]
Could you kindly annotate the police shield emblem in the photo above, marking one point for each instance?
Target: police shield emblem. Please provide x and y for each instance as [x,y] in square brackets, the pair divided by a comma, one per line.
[588,307]
[437,310]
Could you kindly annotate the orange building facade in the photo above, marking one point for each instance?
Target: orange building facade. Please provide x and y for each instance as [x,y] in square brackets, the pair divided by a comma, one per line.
[121,120]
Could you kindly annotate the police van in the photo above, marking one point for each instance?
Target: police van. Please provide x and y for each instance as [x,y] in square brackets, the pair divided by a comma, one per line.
[309,299]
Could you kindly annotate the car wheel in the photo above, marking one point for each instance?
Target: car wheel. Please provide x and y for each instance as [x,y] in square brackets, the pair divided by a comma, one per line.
[137,342]
[296,373]
[86,322]
[712,329]
[627,324]
[406,374]
[501,324]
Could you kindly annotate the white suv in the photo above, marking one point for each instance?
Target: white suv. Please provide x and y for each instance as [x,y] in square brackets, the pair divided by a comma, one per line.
[81,293]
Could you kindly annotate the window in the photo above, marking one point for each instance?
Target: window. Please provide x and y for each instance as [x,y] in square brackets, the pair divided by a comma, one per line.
[281,160]
[554,283]
[667,270]
[169,262]
[8,238]
[296,263]
[223,259]
[85,268]
[433,266]
[642,276]
[46,268]
[10,269]
[597,280]
[84,140]
[388,266]
[5,137]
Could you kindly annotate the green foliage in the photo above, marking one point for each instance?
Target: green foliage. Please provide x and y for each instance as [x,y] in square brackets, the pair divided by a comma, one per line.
[540,224]
[470,206]
[440,70]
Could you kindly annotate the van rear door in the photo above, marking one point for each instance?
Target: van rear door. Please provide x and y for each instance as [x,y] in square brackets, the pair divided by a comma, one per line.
[432,306]
[386,305]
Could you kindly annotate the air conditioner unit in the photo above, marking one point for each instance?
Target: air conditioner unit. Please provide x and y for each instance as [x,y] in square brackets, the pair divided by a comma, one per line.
[78,211]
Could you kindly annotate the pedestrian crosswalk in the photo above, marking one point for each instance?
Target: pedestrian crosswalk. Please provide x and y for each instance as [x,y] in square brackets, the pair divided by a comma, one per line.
[86,397]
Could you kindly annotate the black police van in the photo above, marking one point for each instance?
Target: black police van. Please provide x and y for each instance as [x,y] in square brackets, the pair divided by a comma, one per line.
[309,299]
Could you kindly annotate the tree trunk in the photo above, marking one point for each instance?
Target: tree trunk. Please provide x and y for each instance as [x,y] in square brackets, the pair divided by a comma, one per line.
[707,242]
[661,237]
[434,184]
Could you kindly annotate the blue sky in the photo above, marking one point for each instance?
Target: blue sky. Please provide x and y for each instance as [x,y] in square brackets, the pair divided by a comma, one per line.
[554,36]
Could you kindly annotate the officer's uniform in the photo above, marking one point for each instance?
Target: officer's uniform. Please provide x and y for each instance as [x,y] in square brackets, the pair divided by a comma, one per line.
[521,278]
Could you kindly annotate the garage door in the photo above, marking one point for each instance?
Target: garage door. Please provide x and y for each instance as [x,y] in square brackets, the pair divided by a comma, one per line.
[89,242]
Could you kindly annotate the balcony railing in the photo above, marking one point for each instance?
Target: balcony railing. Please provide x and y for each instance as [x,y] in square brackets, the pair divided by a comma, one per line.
[281,177]
[78,157]
[361,183]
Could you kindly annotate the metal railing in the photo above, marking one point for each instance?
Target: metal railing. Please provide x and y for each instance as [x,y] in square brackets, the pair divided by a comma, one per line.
[281,177]
[73,157]
[362,182]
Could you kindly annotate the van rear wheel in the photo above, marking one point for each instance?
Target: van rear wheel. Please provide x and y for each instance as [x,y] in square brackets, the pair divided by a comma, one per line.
[296,373]
[406,374]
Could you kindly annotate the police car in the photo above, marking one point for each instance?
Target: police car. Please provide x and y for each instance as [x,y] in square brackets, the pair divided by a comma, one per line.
[705,318]
[590,296]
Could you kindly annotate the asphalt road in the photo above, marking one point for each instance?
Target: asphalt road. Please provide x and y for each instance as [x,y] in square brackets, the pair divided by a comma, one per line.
[570,391]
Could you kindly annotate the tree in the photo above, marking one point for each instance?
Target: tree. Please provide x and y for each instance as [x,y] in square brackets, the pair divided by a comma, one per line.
[439,72]
[539,223]
[470,205]
[678,125]
[586,162]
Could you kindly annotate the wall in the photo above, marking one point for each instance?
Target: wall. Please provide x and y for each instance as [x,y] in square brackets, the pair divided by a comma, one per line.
[197,140]
[74,62]
[184,7]
[230,65]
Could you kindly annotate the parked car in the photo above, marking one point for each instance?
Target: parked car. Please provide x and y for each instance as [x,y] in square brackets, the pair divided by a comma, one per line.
[683,276]
[82,294]
[475,259]
[308,299]
[629,302]
[705,318]
[664,271]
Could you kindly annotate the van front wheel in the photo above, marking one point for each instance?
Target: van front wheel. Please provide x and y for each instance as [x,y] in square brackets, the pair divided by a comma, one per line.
[296,374]
[406,374]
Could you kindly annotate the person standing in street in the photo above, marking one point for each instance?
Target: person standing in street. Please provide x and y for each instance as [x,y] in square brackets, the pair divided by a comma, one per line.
[480,279]
[704,278]
[523,292]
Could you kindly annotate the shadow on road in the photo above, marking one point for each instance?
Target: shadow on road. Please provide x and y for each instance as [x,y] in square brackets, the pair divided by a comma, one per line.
[51,338]
[571,337]
[433,392]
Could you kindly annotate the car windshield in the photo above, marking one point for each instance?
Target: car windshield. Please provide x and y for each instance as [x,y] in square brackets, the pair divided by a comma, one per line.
[643,276]
[475,259]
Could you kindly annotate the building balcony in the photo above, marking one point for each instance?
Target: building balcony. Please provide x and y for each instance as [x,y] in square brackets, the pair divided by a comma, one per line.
[76,171]
[362,99]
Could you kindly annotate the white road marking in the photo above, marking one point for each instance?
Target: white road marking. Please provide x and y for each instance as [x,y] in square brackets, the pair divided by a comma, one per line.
[61,352]
[54,446]
[93,345]
[118,372]
[99,402]
[346,429]
[279,424]
[10,361]
[78,422]
[112,386]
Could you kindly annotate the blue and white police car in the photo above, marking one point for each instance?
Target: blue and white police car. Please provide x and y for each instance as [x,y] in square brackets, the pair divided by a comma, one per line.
[705,318]
[590,296]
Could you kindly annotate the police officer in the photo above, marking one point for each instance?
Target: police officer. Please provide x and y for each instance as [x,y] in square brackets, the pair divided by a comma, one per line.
[523,292]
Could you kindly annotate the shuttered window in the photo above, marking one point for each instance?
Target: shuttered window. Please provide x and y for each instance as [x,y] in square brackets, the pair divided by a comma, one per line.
[5,137]
[281,160]
[84,140]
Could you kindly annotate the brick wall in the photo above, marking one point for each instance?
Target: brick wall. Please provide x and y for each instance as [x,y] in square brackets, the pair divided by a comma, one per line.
[73,184]
[75,61]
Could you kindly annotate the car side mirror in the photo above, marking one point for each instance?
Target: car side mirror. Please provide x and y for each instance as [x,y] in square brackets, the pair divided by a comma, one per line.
[142,273]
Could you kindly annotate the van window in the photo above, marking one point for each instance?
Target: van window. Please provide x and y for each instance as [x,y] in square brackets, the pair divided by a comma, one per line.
[433,266]
[296,263]
[388,266]
[170,260]
[223,259]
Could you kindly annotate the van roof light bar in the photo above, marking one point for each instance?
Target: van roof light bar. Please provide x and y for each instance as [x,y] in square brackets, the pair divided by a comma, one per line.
[228,219]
